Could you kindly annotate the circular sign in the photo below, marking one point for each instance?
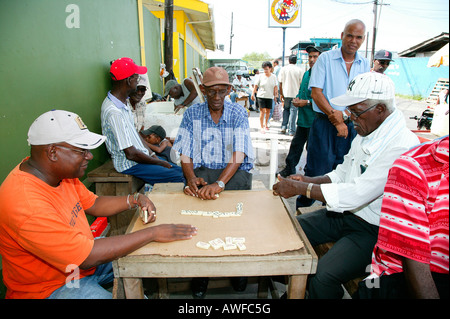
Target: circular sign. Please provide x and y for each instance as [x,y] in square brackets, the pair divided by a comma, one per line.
[284,11]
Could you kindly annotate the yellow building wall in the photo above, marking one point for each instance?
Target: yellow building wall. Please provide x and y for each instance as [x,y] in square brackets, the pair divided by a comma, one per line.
[179,32]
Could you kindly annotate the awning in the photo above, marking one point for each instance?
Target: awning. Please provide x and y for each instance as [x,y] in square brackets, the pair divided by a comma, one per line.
[439,58]
[197,11]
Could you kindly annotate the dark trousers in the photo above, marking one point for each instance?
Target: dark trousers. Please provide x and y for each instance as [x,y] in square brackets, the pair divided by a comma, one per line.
[325,150]
[348,258]
[296,149]
[241,180]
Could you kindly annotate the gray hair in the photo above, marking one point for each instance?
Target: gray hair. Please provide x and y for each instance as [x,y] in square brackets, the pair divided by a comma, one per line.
[390,104]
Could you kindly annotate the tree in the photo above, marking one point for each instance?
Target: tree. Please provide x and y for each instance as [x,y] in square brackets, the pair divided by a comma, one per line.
[255,59]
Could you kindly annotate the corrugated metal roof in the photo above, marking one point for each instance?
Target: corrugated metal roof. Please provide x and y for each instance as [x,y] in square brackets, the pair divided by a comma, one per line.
[429,45]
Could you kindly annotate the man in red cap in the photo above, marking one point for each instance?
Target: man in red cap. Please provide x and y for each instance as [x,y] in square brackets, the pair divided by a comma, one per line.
[129,153]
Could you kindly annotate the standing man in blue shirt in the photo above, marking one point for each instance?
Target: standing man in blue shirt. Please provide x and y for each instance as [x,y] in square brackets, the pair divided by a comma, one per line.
[332,132]
[305,118]
[128,152]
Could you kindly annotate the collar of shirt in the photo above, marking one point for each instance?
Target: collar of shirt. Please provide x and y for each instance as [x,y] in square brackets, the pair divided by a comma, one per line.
[118,103]
[358,57]
[375,142]
[440,151]
[226,116]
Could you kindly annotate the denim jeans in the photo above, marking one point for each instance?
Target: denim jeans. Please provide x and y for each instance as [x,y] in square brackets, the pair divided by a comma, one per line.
[152,173]
[289,116]
[89,287]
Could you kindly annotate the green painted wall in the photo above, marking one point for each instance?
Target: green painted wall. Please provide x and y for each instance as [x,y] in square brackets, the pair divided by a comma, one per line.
[46,65]
[152,32]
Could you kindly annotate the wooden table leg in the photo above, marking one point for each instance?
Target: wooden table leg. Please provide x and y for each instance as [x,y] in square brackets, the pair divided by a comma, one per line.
[133,288]
[297,286]
[163,288]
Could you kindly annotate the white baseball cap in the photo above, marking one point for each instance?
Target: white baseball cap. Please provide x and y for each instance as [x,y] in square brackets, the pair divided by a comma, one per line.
[58,126]
[370,85]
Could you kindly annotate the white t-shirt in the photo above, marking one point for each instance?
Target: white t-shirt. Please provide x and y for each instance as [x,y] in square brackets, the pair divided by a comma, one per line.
[266,85]
[290,77]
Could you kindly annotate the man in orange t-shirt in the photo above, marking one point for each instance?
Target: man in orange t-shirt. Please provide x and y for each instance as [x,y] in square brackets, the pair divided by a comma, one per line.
[46,244]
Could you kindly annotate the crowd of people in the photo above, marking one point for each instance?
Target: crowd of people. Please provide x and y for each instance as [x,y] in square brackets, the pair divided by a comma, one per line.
[384,197]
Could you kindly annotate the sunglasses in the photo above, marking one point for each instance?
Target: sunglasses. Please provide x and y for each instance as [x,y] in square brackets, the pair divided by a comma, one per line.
[384,62]
[83,152]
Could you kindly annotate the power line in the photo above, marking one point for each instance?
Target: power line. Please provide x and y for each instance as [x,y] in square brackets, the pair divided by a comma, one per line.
[355,3]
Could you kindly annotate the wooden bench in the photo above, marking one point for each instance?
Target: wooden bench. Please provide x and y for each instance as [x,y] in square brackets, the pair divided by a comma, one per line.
[352,285]
[109,182]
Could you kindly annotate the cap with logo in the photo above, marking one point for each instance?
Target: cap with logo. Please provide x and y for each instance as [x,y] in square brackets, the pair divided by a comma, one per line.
[125,67]
[59,126]
[214,76]
[383,55]
[370,85]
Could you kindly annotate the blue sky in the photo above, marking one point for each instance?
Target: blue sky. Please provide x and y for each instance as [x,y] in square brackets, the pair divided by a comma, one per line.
[402,23]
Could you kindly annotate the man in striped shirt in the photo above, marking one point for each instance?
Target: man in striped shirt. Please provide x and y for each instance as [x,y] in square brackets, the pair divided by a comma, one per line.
[128,152]
[413,239]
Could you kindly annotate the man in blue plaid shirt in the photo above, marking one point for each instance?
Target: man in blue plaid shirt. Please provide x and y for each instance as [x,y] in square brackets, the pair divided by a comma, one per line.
[216,150]
[214,141]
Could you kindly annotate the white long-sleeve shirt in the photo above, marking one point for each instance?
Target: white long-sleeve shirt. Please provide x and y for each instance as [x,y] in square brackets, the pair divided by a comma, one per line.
[357,184]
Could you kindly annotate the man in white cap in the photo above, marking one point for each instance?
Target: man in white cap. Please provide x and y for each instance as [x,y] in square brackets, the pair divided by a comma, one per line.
[47,247]
[353,191]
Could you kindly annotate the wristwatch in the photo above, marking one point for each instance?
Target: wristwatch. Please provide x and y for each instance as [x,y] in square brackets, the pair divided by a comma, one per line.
[345,116]
[221,184]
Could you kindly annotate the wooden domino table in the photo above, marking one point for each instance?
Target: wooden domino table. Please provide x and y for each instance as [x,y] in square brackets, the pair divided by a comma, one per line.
[276,244]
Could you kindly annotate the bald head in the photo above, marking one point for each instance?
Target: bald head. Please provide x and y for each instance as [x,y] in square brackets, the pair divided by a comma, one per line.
[354,22]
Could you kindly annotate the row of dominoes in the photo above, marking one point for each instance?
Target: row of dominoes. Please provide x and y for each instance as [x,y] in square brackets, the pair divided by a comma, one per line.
[215,214]
[230,243]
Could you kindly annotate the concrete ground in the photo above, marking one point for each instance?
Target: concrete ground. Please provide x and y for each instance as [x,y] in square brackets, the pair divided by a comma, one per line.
[261,178]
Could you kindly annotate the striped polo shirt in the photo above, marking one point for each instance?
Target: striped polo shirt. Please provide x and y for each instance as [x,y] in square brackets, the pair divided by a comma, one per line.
[414,219]
[118,126]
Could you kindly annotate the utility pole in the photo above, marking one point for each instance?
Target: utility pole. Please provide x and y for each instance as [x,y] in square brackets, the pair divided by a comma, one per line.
[374,34]
[375,24]
[231,33]
[168,38]
[284,44]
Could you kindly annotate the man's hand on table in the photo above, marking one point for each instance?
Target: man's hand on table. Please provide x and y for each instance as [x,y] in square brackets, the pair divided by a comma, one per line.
[197,187]
[209,191]
[146,204]
[172,232]
[286,187]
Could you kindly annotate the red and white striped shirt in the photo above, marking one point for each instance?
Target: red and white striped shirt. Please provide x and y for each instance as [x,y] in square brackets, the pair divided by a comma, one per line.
[414,219]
